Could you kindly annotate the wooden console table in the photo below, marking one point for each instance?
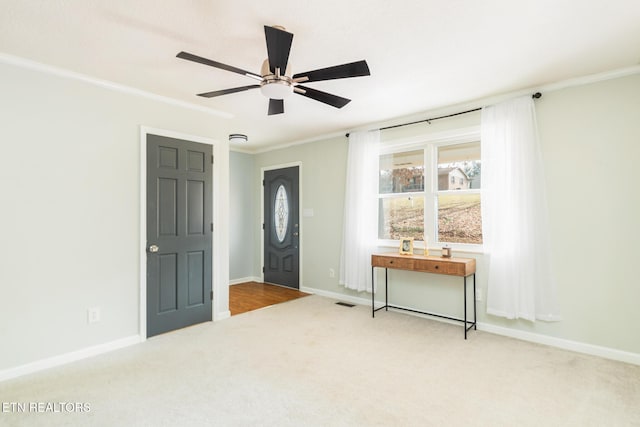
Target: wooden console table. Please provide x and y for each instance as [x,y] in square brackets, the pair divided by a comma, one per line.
[462,267]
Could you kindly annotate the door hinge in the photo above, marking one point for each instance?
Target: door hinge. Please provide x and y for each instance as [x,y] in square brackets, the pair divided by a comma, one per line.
[211,295]
[263,225]
[211,226]
[212,159]
[263,269]
[263,182]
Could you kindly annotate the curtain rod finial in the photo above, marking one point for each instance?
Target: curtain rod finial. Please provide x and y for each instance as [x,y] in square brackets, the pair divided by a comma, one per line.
[536,95]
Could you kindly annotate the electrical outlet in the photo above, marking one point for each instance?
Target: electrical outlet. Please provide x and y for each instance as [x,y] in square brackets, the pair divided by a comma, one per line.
[479,294]
[332,273]
[93,314]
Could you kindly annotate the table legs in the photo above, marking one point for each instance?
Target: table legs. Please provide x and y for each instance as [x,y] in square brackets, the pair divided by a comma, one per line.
[387,306]
[475,321]
[373,293]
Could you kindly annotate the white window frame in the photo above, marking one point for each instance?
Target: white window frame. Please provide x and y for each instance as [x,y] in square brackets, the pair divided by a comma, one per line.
[430,143]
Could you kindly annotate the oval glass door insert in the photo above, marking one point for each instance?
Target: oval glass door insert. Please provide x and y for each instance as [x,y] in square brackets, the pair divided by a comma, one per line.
[281,214]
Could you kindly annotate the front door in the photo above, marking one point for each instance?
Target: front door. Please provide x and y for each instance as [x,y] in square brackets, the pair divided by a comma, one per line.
[179,223]
[281,227]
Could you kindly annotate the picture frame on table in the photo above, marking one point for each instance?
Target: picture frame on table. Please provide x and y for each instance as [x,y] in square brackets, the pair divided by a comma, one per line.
[406,246]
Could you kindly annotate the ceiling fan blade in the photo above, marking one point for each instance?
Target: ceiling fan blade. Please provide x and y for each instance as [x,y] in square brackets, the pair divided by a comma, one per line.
[227,91]
[353,69]
[276,106]
[278,47]
[220,65]
[327,98]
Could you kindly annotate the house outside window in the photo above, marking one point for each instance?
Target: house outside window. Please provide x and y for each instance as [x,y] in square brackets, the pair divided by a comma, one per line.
[431,189]
[454,173]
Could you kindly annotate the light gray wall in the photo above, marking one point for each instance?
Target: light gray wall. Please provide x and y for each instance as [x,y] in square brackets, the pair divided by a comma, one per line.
[242,207]
[70,181]
[590,136]
[323,173]
[591,147]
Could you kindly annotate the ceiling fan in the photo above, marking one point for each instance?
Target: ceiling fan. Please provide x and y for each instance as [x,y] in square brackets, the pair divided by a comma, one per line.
[276,81]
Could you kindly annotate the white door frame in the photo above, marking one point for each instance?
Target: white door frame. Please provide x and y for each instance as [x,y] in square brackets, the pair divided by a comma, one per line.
[220,236]
[300,216]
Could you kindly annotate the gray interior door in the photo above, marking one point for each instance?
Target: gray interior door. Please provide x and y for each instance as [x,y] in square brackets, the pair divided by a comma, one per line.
[179,224]
[281,227]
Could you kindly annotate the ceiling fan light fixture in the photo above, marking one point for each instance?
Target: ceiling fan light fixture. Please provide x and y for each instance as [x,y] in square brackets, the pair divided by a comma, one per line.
[276,88]
[238,138]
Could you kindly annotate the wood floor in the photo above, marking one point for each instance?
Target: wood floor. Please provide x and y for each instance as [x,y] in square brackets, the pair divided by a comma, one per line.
[249,296]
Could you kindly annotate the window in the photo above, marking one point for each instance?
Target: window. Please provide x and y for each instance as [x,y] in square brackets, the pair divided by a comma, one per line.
[458,209]
[401,196]
[432,191]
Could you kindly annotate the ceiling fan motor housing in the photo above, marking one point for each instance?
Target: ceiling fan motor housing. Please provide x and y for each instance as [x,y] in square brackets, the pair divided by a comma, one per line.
[275,86]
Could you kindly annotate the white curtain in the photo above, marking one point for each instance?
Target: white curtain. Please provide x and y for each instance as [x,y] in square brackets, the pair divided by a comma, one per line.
[514,214]
[360,225]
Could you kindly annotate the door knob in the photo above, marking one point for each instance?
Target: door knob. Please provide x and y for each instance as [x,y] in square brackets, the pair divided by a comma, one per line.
[153,248]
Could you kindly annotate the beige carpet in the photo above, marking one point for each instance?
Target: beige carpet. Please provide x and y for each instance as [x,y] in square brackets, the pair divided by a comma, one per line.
[312,362]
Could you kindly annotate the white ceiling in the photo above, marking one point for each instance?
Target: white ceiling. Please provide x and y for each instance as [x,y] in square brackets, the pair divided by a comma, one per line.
[423,54]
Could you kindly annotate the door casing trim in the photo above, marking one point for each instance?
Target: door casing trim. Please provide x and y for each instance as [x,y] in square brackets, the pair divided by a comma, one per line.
[300,217]
[218,284]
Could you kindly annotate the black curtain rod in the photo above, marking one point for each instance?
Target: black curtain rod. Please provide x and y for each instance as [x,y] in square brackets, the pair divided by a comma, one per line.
[534,96]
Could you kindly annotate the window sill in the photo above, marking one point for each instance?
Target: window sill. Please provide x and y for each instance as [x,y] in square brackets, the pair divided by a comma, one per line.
[435,249]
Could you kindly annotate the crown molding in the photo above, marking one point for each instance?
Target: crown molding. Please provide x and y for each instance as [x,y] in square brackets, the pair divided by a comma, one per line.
[61,72]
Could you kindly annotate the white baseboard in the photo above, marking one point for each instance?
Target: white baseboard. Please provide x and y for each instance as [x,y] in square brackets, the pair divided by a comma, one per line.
[222,316]
[335,295]
[579,347]
[63,359]
[244,280]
